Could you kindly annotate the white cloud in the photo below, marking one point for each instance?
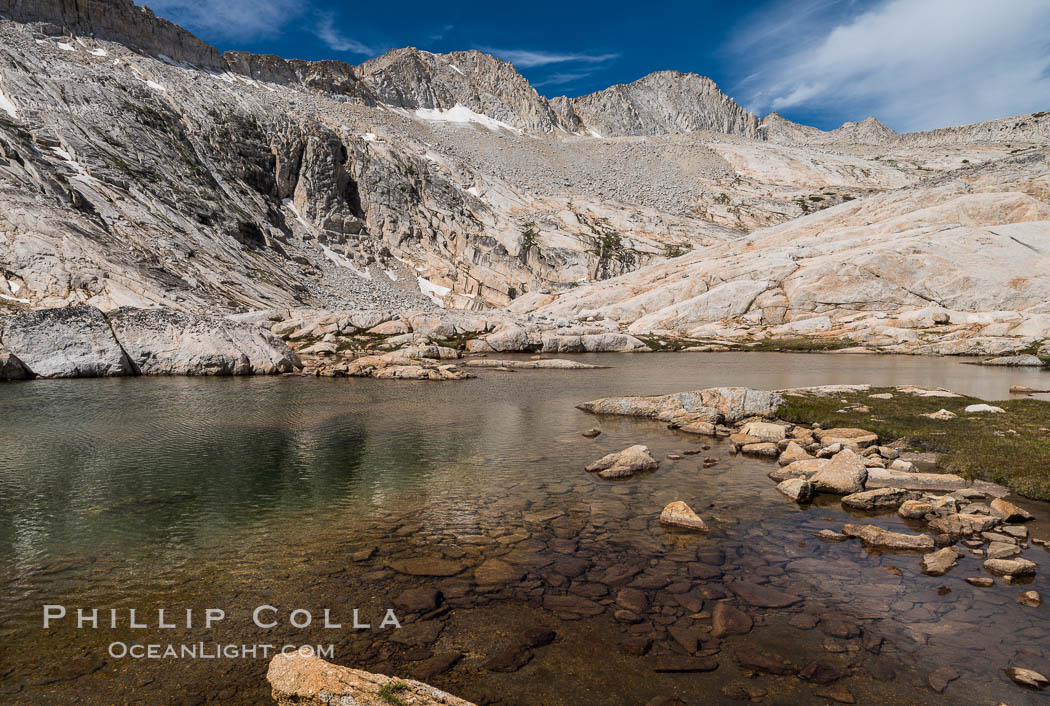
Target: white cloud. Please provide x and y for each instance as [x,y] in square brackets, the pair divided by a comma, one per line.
[233,19]
[558,79]
[334,39]
[526,58]
[914,64]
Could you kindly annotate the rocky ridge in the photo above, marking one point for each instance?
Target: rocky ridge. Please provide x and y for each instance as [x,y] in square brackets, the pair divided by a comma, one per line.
[140,167]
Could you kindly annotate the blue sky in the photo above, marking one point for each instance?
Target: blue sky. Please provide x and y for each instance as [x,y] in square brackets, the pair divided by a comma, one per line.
[914,64]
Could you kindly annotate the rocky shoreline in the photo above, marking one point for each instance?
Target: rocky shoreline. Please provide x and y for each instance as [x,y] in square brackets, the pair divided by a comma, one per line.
[848,462]
[949,517]
[83,341]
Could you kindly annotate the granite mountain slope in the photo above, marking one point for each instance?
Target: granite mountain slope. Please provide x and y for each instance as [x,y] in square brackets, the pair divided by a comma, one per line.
[141,167]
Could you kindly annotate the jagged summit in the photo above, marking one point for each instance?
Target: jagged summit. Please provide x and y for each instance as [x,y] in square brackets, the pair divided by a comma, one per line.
[413,79]
[661,103]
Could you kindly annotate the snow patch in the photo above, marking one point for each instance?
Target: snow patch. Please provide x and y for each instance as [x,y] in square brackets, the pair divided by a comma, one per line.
[593,133]
[287,203]
[66,47]
[14,286]
[343,262]
[391,274]
[14,299]
[97,52]
[474,190]
[7,106]
[456,69]
[155,86]
[463,115]
[369,137]
[434,291]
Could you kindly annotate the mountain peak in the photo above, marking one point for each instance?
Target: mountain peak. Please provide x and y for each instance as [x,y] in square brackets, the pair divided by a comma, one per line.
[663,102]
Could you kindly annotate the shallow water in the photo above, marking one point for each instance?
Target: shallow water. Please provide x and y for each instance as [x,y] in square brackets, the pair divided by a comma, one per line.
[232,493]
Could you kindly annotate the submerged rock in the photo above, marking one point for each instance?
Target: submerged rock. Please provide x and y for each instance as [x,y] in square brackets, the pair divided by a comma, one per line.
[300,680]
[727,619]
[427,566]
[509,660]
[678,514]
[762,596]
[684,663]
[624,464]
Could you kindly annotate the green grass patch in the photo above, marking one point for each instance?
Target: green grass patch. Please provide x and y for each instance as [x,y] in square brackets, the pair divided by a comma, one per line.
[975,446]
[800,344]
[389,692]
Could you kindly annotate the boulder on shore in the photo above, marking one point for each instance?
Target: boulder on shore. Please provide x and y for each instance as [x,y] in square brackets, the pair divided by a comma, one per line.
[844,474]
[301,680]
[81,341]
[1008,512]
[164,342]
[71,342]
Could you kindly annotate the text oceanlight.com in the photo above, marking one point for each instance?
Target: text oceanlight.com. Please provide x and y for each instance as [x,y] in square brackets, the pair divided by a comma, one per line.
[203,650]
